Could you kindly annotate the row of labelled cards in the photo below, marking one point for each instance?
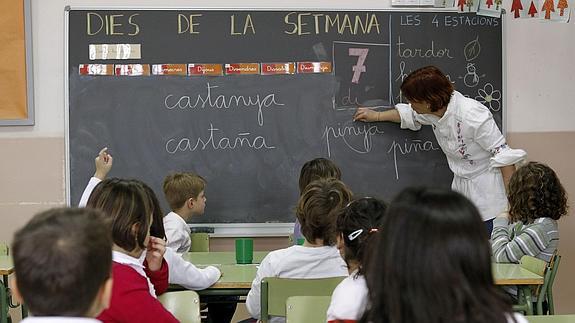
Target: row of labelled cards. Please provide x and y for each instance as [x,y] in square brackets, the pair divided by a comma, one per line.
[205,69]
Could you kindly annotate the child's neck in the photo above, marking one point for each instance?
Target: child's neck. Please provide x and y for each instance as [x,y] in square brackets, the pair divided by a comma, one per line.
[352,266]
[317,243]
[136,253]
[184,213]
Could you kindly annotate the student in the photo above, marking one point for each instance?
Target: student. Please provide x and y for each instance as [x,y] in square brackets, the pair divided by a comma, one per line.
[356,227]
[310,171]
[318,257]
[536,201]
[477,152]
[185,195]
[127,205]
[432,263]
[62,261]
[181,272]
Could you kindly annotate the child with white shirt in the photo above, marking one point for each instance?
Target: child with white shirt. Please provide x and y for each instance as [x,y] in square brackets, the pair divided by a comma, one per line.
[357,225]
[185,195]
[69,280]
[317,257]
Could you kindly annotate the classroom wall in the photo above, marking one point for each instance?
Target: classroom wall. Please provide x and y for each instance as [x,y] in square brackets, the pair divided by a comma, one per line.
[540,75]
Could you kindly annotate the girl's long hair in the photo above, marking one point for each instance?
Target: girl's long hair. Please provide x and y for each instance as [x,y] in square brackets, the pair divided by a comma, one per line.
[432,263]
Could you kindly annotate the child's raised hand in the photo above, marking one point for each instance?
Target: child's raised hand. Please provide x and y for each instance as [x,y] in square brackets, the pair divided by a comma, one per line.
[155,253]
[103,164]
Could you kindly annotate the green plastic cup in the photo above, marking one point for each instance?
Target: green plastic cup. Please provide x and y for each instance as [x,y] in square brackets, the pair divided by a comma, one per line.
[244,250]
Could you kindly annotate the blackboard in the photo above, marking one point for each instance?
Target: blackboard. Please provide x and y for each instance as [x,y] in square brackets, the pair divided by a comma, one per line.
[249,135]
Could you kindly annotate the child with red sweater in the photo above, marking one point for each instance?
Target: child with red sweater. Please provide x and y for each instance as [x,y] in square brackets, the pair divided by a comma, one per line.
[136,281]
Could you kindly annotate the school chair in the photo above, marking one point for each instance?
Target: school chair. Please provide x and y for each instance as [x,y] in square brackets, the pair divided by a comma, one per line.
[184,305]
[543,293]
[551,318]
[307,309]
[200,242]
[275,292]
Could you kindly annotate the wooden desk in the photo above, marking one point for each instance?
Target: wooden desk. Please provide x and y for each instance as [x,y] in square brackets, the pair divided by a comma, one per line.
[514,275]
[236,279]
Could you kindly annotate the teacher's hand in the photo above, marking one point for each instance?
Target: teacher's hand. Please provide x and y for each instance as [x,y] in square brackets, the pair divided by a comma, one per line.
[365,115]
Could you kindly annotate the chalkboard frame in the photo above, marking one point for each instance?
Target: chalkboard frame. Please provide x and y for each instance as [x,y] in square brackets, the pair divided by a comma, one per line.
[251,229]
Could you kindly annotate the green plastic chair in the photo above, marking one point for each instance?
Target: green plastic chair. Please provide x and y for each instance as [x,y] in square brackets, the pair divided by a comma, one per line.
[4,249]
[553,267]
[545,291]
[551,318]
[200,242]
[275,292]
[307,309]
[184,305]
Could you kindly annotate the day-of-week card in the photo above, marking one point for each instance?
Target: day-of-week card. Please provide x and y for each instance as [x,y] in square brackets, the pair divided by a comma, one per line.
[96,69]
[278,68]
[169,69]
[243,68]
[314,67]
[205,69]
[132,69]
[115,51]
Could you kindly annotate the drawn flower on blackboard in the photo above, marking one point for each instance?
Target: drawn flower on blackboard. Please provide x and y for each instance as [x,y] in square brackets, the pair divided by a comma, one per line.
[490,97]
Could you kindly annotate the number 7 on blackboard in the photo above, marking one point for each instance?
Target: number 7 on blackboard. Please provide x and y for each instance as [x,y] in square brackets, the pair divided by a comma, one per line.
[358,68]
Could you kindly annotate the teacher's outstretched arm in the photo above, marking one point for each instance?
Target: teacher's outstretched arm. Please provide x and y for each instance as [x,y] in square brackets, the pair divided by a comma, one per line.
[369,115]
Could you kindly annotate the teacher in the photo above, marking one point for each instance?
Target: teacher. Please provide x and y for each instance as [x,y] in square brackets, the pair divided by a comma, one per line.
[478,155]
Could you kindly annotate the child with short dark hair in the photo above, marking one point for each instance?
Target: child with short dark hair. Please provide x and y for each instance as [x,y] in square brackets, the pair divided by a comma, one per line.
[356,227]
[127,205]
[312,170]
[70,277]
[536,201]
[185,195]
[318,257]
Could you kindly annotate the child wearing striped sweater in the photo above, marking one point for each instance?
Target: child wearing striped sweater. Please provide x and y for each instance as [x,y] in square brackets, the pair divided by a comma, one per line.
[536,201]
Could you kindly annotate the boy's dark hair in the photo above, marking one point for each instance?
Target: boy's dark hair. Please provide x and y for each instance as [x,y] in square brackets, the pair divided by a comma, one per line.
[62,258]
[428,84]
[316,169]
[179,187]
[359,223]
[435,253]
[535,192]
[125,203]
[318,206]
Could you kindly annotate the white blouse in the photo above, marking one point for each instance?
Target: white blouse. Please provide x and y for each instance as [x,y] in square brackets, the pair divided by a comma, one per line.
[295,262]
[349,299]
[177,233]
[474,147]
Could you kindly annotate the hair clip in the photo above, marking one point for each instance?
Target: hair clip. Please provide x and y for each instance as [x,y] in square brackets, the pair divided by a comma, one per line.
[355,234]
[373,230]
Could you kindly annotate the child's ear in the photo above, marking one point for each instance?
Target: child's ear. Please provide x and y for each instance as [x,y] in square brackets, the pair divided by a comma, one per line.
[190,202]
[105,293]
[15,290]
[103,298]
[339,241]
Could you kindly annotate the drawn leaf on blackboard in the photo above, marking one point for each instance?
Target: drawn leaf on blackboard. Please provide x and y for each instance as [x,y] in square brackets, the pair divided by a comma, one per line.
[472,49]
